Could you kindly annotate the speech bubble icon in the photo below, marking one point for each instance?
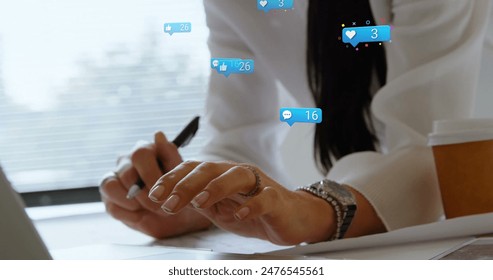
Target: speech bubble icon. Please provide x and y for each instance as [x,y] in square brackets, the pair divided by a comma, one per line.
[300,115]
[286,114]
[215,63]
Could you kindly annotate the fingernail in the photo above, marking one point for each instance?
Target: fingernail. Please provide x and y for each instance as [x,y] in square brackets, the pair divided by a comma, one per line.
[158,184]
[200,199]
[156,193]
[170,204]
[242,213]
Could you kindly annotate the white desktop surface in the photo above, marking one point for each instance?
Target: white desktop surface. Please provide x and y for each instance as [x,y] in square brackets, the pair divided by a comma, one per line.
[64,227]
[93,228]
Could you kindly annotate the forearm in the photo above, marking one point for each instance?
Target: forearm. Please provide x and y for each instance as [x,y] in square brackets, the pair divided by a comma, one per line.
[366,220]
[319,218]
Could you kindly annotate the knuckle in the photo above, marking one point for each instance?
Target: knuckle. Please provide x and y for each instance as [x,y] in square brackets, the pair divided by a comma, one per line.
[215,185]
[182,189]
[270,193]
[168,176]
[108,183]
[122,158]
[252,170]
[106,188]
[141,154]
[104,185]
[242,171]
[123,164]
[108,176]
[190,163]
[251,165]
[207,167]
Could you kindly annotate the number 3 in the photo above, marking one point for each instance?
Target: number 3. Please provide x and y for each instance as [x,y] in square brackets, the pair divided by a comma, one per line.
[374,33]
[281,3]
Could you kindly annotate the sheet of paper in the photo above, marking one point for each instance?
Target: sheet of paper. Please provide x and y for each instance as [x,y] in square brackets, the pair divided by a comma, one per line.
[408,251]
[454,228]
[221,241]
[71,231]
[105,252]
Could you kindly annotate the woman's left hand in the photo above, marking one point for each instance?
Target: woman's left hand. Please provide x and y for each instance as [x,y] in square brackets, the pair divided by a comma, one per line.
[242,199]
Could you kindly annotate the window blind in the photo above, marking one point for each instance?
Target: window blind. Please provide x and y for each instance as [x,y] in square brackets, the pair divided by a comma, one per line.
[82,81]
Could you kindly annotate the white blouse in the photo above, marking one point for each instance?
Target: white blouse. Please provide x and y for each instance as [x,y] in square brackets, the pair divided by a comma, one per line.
[433,64]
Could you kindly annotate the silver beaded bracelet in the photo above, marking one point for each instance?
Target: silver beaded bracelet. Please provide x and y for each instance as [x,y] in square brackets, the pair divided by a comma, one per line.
[340,198]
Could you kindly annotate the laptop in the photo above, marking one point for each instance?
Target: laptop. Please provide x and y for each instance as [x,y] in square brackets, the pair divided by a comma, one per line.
[19,240]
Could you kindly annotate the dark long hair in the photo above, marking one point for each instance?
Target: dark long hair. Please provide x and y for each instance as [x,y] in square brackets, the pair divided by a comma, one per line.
[340,77]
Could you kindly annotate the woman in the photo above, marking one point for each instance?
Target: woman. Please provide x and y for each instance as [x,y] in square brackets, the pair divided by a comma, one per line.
[378,108]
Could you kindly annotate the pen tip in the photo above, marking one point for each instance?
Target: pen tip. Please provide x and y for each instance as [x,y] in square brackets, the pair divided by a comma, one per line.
[133,191]
[130,195]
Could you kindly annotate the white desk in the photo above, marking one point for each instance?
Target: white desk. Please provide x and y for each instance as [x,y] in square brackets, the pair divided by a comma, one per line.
[96,227]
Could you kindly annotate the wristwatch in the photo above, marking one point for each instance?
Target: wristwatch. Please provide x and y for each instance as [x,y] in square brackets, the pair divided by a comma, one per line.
[340,198]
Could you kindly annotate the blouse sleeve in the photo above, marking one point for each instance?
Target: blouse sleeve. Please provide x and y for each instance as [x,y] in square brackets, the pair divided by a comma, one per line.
[241,110]
[433,67]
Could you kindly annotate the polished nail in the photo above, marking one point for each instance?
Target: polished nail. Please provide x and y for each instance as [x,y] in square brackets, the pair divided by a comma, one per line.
[171,203]
[156,193]
[200,199]
[242,213]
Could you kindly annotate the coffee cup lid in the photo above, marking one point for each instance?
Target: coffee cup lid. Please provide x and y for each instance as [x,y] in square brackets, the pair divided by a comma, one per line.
[446,132]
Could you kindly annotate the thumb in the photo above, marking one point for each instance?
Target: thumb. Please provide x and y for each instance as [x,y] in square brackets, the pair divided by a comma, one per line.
[167,152]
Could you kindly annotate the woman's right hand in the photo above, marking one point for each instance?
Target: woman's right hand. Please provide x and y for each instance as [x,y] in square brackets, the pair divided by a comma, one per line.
[141,213]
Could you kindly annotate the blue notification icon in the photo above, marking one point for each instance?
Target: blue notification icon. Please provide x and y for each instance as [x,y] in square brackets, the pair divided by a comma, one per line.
[177,27]
[267,5]
[301,115]
[228,66]
[366,34]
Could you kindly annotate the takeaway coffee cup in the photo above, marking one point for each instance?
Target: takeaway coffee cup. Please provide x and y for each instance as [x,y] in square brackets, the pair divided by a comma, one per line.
[463,152]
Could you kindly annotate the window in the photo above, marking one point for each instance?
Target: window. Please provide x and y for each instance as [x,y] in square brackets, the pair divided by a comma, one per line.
[82,81]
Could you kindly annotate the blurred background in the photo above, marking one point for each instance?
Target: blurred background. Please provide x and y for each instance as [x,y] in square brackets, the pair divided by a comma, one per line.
[81,81]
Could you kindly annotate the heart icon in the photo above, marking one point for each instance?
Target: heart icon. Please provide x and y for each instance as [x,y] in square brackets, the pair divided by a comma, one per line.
[350,34]
[263,3]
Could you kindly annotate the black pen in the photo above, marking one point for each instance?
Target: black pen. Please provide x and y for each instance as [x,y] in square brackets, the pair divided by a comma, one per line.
[183,139]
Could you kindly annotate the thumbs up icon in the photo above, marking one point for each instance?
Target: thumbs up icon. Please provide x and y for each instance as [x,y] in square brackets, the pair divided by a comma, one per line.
[168,28]
[223,67]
